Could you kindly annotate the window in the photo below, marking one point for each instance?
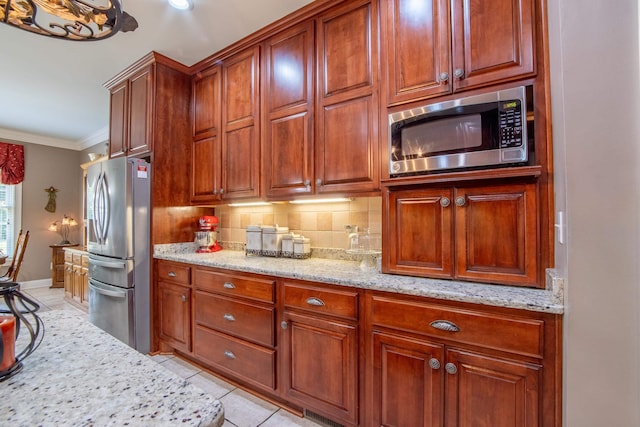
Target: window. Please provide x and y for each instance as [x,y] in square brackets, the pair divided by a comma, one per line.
[10,216]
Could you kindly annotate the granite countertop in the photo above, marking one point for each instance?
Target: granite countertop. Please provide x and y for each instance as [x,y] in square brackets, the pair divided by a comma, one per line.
[82,376]
[349,273]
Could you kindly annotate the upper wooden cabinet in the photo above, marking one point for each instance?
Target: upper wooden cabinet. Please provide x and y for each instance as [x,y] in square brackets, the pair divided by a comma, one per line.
[347,109]
[240,141]
[206,170]
[478,233]
[436,47]
[288,106]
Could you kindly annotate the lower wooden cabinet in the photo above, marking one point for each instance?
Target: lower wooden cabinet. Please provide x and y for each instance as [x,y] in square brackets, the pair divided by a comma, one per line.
[320,350]
[76,277]
[362,357]
[173,293]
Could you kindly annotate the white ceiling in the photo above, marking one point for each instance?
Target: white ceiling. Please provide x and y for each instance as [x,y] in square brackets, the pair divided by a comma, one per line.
[51,90]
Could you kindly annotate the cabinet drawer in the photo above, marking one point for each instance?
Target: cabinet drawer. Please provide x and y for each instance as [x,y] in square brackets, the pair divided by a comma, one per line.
[84,261]
[177,273]
[321,300]
[235,285]
[77,258]
[68,256]
[497,331]
[253,363]
[243,320]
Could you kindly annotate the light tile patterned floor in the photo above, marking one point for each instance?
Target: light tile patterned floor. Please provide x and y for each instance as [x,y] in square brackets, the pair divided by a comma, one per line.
[241,409]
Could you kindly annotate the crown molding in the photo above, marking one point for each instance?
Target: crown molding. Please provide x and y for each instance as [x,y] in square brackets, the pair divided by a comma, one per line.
[97,137]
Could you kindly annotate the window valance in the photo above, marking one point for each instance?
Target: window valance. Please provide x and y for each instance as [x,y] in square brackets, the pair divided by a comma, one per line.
[11,163]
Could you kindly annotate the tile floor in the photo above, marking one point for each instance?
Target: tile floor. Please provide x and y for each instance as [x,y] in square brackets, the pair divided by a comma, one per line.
[241,409]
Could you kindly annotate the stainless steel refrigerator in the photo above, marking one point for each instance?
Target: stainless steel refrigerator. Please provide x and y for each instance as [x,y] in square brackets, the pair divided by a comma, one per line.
[118,242]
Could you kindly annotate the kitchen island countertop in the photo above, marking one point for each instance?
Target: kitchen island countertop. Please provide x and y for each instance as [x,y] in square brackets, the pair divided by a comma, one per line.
[349,273]
[82,376]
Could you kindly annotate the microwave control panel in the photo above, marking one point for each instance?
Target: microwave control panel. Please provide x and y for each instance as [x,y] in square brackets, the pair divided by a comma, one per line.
[510,123]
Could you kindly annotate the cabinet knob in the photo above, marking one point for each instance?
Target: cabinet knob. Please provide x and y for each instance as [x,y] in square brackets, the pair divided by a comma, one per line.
[451,368]
[461,201]
[434,363]
[444,202]
[307,185]
[445,325]
[315,301]
[229,285]
[184,298]
[171,274]
[229,317]
[215,191]
[229,354]
[459,73]
[444,77]
[284,324]
[318,181]
[222,191]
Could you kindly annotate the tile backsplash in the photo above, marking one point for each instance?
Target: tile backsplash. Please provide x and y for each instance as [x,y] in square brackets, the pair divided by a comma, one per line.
[323,223]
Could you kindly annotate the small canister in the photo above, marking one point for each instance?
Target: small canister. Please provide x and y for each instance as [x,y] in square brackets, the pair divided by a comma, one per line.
[254,240]
[272,240]
[301,247]
[287,245]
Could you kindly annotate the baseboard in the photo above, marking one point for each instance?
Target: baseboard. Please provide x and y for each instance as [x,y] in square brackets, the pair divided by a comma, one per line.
[41,283]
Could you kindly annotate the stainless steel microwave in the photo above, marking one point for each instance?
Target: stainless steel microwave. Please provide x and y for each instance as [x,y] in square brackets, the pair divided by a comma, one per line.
[483,130]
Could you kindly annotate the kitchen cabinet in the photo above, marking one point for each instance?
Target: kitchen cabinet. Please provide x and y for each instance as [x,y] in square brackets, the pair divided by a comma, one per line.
[288,107]
[347,106]
[206,164]
[320,350]
[436,364]
[435,47]
[240,140]
[76,277]
[174,305]
[234,326]
[144,104]
[481,233]
[57,265]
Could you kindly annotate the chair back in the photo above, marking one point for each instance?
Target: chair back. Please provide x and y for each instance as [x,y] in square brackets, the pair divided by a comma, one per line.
[18,254]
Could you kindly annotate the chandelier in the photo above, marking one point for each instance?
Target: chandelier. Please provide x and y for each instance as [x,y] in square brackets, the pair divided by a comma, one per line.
[79,20]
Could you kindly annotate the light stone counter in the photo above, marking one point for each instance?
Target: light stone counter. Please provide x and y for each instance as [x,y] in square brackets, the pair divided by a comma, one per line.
[348,273]
[82,376]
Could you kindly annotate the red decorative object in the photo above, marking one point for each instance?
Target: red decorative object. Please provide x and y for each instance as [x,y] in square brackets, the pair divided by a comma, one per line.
[11,163]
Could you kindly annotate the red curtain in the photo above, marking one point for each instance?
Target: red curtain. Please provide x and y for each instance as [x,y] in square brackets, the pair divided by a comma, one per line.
[11,163]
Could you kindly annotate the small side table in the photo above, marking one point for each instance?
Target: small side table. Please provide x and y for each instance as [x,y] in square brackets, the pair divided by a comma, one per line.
[57,264]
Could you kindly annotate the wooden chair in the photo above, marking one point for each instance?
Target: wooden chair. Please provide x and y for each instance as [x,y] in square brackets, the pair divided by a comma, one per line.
[11,275]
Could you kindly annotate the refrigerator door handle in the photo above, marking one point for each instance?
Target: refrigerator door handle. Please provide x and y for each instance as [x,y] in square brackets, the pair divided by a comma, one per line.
[115,294]
[101,208]
[121,265]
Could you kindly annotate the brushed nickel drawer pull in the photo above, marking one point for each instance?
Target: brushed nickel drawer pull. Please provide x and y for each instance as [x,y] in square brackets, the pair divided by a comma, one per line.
[434,363]
[229,285]
[229,317]
[229,354]
[315,301]
[171,274]
[451,368]
[445,325]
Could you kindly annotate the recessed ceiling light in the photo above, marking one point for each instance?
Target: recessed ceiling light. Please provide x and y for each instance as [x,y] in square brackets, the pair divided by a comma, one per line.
[182,4]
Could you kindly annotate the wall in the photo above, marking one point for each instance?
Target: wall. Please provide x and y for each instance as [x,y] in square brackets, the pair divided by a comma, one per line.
[595,91]
[323,223]
[45,167]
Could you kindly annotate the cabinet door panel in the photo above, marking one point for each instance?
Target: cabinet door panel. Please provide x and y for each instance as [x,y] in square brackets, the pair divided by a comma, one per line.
[320,357]
[205,169]
[348,157]
[118,122]
[417,48]
[497,232]
[241,88]
[491,392]
[408,388]
[494,40]
[420,232]
[174,314]
[141,103]
[240,173]
[206,104]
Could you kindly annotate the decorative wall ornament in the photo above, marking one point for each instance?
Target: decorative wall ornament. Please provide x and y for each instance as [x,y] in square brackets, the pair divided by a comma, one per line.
[51,204]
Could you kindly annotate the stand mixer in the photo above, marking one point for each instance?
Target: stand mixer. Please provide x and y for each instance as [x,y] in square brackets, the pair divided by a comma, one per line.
[207,236]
